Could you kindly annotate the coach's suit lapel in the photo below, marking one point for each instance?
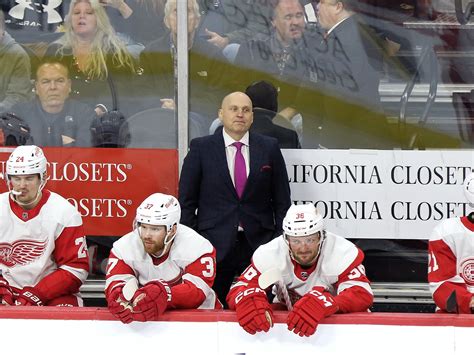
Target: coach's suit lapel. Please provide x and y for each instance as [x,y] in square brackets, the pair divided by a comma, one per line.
[221,160]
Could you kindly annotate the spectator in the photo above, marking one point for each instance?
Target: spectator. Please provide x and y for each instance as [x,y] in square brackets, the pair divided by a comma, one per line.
[44,257]
[278,57]
[228,22]
[206,71]
[54,118]
[343,108]
[264,98]
[354,46]
[317,274]
[173,265]
[15,70]
[451,251]
[234,189]
[142,20]
[102,70]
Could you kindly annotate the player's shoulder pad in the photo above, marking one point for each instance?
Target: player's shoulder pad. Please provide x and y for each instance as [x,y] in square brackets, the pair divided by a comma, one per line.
[446,228]
[271,255]
[129,247]
[63,211]
[188,245]
[337,254]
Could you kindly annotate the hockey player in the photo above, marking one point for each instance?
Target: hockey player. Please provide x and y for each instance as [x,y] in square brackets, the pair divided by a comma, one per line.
[319,272]
[170,265]
[451,260]
[43,251]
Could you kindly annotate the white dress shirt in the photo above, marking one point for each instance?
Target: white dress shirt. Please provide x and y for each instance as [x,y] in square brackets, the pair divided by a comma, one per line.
[230,152]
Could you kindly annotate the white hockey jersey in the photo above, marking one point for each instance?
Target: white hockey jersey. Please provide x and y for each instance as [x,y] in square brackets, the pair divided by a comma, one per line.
[338,268]
[190,260]
[451,263]
[36,243]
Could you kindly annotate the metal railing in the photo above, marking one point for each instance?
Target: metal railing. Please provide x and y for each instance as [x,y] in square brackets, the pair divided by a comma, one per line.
[463,16]
[427,52]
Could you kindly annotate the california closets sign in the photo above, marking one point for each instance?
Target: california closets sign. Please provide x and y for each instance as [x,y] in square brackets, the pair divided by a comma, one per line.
[107,185]
[381,194]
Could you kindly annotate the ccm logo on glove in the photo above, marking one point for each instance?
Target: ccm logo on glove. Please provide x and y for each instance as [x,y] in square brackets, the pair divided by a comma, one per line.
[248,292]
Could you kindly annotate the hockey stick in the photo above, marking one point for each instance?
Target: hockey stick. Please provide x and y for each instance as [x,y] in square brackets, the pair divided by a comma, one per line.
[131,286]
[274,277]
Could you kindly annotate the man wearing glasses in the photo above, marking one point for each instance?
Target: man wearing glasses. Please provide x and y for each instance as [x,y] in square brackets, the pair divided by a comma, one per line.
[314,273]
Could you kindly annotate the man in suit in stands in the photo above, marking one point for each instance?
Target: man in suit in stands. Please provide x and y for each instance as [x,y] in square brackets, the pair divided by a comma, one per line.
[234,189]
[343,64]
[264,98]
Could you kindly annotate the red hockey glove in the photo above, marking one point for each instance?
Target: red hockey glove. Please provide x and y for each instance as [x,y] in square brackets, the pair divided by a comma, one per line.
[150,301]
[118,306]
[29,297]
[6,293]
[253,310]
[309,310]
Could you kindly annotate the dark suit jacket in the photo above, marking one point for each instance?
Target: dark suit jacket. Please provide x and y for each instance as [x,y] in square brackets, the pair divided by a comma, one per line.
[344,101]
[262,124]
[206,185]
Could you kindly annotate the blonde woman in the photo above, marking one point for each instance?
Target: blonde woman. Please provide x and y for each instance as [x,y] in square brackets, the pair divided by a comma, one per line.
[101,67]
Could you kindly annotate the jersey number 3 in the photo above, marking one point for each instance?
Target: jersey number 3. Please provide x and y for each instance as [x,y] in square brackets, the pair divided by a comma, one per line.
[208,262]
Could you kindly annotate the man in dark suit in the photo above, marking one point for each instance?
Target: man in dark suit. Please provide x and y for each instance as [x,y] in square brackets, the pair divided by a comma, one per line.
[234,190]
[343,66]
[264,98]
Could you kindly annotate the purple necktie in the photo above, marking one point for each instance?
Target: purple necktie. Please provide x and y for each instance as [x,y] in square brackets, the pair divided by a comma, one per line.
[240,171]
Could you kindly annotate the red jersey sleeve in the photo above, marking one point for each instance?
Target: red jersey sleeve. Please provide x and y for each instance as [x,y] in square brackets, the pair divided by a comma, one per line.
[72,259]
[118,272]
[443,278]
[248,279]
[198,278]
[354,293]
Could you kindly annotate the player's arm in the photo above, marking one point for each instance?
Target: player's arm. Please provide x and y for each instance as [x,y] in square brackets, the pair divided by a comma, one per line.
[247,280]
[447,287]
[354,293]
[250,302]
[198,279]
[117,274]
[72,259]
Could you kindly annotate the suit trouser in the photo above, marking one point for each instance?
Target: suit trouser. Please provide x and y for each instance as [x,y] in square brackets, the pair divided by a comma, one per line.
[233,264]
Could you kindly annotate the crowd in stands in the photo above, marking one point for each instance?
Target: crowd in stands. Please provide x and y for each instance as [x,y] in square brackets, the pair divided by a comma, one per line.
[120,58]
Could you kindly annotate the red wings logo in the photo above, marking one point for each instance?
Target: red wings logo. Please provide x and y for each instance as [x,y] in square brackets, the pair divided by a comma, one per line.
[467,270]
[21,252]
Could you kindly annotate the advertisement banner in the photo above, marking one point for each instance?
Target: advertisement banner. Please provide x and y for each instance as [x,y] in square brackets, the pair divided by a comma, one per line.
[107,184]
[381,194]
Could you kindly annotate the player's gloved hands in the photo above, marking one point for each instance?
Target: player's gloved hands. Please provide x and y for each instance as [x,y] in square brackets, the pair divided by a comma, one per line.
[309,310]
[253,310]
[6,293]
[150,301]
[118,306]
[29,296]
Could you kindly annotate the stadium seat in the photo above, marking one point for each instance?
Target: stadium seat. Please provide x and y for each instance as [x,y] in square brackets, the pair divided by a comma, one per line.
[157,128]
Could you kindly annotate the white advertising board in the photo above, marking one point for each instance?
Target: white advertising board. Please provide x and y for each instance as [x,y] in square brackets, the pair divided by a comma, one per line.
[84,337]
[391,194]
